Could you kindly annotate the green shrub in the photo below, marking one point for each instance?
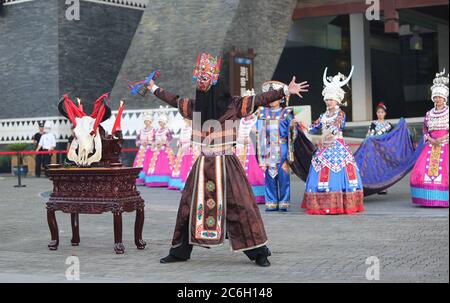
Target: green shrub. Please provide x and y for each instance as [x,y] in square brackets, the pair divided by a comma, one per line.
[19,146]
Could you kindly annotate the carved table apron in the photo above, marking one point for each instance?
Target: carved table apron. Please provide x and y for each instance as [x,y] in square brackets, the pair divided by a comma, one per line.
[95,191]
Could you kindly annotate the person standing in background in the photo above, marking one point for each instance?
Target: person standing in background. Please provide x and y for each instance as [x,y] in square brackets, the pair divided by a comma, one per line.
[274,142]
[334,185]
[429,178]
[47,142]
[161,163]
[38,159]
[144,140]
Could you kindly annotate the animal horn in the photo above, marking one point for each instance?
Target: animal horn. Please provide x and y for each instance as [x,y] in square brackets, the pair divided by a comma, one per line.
[107,114]
[343,83]
[325,81]
[61,108]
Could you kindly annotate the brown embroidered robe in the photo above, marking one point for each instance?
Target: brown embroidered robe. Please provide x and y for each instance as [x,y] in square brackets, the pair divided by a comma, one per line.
[217,199]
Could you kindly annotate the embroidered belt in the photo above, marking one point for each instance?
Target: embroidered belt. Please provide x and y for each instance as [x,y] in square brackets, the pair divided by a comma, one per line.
[215,149]
[214,135]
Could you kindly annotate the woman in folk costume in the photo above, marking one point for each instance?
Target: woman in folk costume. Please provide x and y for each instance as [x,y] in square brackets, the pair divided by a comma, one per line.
[188,161]
[217,201]
[386,155]
[275,149]
[144,140]
[333,185]
[429,178]
[245,151]
[184,159]
[379,126]
[160,166]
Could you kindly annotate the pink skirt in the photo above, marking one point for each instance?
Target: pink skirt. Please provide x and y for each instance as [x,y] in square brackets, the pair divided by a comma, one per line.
[254,173]
[181,169]
[429,178]
[142,159]
[160,168]
[186,166]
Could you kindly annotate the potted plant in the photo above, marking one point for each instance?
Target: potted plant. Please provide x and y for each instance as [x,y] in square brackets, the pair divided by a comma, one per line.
[18,147]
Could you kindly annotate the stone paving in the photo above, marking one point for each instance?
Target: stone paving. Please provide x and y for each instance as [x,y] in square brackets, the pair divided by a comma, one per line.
[411,243]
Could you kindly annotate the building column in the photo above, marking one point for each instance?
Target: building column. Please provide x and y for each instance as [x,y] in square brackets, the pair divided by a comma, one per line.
[443,47]
[362,76]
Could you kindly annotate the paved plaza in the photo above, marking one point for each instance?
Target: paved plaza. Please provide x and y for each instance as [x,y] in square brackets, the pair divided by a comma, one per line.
[411,243]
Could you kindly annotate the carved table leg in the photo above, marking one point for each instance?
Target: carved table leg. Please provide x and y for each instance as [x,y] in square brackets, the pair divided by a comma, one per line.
[54,232]
[75,229]
[119,248]
[138,226]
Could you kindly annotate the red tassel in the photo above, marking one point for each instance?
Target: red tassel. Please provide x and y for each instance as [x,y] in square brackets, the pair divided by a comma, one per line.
[218,64]
[198,59]
[97,105]
[117,123]
[69,110]
[98,119]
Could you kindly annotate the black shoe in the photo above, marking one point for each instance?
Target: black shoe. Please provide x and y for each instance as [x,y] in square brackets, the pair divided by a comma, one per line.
[267,251]
[171,259]
[262,261]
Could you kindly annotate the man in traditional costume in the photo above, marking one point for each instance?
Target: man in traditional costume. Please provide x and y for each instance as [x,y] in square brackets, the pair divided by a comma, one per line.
[217,201]
[275,141]
[429,178]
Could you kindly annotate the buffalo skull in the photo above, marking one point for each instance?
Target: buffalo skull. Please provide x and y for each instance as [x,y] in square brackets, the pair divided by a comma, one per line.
[86,148]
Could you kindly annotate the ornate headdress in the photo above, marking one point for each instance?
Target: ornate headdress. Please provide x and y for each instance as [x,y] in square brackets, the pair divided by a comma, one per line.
[163,118]
[381,105]
[275,85]
[440,88]
[206,71]
[333,86]
[147,117]
[249,93]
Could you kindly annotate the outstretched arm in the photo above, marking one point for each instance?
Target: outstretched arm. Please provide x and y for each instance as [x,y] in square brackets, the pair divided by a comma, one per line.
[184,105]
[248,105]
[162,94]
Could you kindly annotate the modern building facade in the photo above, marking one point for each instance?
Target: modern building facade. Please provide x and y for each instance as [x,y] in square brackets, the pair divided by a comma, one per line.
[396,46]
[44,54]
